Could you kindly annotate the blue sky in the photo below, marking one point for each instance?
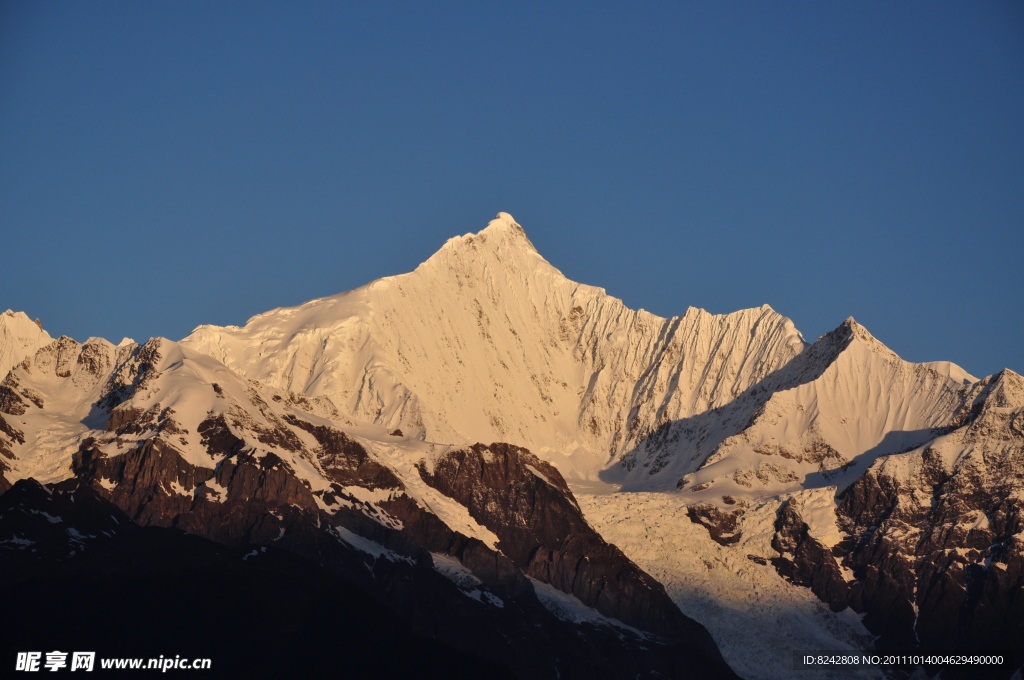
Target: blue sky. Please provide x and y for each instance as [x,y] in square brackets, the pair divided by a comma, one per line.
[164,165]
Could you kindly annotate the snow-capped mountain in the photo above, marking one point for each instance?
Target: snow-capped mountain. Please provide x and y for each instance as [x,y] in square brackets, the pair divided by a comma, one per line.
[825,417]
[20,337]
[482,548]
[486,341]
[480,426]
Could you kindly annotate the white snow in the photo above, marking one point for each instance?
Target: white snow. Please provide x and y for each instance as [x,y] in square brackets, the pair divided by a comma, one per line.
[443,353]
[218,494]
[817,507]
[540,475]
[22,543]
[372,548]
[53,433]
[569,608]
[369,495]
[486,322]
[754,615]
[866,403]
[179,490]
[402,456]
[20,337]
[468,584]
[452,569]
[49,518]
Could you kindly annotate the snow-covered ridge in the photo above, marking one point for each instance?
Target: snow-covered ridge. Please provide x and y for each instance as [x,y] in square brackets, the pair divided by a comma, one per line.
[115,400]
[486,341]
[862,402]
[20,337]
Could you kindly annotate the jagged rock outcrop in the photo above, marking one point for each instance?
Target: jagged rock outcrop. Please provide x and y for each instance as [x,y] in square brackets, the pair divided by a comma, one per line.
[936,534]
[805,561]
[721,524]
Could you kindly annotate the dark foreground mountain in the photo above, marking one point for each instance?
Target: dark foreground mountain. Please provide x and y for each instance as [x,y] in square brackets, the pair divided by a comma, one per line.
[95,581]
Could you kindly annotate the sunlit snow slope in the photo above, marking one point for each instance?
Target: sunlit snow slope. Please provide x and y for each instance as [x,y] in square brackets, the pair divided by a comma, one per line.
[824,427]
[486,341]
[20,337]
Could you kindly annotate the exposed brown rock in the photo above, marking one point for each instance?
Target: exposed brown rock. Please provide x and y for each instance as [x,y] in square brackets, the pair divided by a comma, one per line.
[147,480]
[134,374]
[805,561]
[346,461]
[721,524]
[13,396]
[12,433]
[937,547]
[217,437]
[525,501]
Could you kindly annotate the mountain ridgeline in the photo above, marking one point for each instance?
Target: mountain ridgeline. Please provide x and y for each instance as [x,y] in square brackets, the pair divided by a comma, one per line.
[414,445]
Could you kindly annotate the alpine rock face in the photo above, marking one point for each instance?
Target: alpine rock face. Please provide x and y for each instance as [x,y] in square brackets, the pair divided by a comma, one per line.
[521,468]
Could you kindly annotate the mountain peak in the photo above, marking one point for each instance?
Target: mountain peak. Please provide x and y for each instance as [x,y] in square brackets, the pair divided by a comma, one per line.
[502,231]
[1010,378]
[851,328]
[10,316]
[20,337]
[850,324]
[503,218]
[830,345]
[501,245]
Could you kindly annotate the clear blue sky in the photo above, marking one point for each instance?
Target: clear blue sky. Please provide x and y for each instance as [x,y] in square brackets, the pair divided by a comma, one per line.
[167,164]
